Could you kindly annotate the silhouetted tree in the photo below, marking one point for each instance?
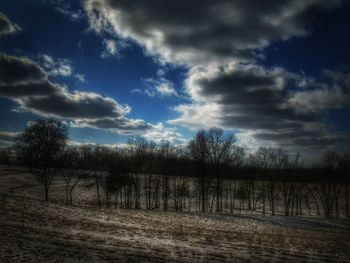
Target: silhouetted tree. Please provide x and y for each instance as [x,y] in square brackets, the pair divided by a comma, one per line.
[119,180]
[344,166]
[150,165]
[328,190]
[137,147]
[198,150]
[40,146]
[166,157]
[71,162]
[5,155]
[219,146]
[236,160]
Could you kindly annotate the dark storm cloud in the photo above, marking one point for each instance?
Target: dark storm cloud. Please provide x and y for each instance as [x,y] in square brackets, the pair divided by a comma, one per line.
[252,97]
[15,69]
[213,38]
[6,26]
[307,138]
[121,125]
[198,31]
[74,105]
[340,141]
[286,136]
[270,103]
[22,77]
[7,138]
[24,81]
[8,135]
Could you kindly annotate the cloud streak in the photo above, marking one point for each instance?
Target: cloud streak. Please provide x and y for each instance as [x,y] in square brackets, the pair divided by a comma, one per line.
[157,87]
[7,138]
[6,26]
[196,32]
[25,82]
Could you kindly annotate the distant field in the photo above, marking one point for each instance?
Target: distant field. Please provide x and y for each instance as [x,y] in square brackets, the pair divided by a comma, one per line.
[32,230]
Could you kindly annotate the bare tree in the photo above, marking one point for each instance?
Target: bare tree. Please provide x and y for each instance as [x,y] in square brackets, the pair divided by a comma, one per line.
[219,146]
[289,189]
[137,147]
[264,162]
[198,150]
[71,162]
[167,155]
[328,191]
[237,159]
[344,166]
[102,157]
[150,165]
[40,146]
[276,159]
[5,155]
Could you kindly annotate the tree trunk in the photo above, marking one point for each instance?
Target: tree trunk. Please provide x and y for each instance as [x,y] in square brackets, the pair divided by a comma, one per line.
[98,190]
[253,194]
[203,192]
[307,204]
[231,197]
[315,200]
[336,198]
[46,193]
[284,187]
[217,195]
[264,199]
[137,192]
[166,193]
[67,193]
[272,197]
[347,200]
[71,193]
[71,197]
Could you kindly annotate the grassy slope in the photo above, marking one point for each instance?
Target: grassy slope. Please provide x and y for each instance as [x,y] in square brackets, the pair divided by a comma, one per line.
[32,230]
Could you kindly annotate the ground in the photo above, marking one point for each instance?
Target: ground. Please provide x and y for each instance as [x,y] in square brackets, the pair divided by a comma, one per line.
[36,231]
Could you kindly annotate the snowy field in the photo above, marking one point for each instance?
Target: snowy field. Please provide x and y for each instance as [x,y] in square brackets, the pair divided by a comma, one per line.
[32,231]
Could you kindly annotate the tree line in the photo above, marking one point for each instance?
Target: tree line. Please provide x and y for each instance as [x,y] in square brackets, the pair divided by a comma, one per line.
[212,173]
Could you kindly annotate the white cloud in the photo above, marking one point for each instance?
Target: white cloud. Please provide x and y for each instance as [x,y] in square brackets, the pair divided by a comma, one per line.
[56,67]
[73,15]
[161,133]
[165,89]
[160,73]
[110,48]
[318,100]
[6,26]
[160,87]
[59,67]
[80,77]
[197,116]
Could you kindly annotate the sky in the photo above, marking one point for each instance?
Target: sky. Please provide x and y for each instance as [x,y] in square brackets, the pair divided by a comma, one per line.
[274,73]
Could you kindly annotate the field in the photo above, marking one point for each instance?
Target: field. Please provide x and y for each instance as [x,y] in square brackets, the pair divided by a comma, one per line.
[32,230]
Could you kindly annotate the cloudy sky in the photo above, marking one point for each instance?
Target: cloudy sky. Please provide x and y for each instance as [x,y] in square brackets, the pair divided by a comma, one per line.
[276,73]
